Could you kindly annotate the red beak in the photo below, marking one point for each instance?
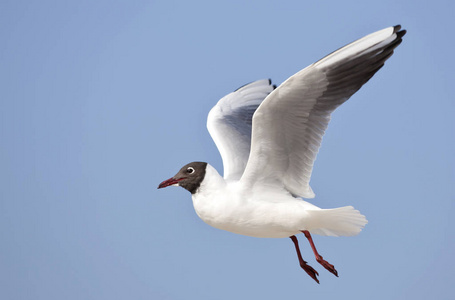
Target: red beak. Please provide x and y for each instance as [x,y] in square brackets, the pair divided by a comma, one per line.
[169,182]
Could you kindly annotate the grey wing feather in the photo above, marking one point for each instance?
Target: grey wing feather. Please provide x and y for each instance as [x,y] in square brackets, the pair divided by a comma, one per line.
[289,124]
[230,122]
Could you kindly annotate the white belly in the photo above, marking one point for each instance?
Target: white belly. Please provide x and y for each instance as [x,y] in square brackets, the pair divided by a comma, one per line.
[266,218]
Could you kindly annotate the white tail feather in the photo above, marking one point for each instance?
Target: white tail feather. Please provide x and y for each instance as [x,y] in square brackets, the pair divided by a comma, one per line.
[343,221]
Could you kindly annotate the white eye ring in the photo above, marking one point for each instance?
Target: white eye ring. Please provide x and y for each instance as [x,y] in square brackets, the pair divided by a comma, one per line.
[190,170]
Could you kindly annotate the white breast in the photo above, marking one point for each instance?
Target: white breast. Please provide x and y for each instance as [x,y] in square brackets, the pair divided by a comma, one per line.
[227,206]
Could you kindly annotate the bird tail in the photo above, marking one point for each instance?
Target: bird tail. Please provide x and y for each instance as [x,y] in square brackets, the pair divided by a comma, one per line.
[342,221]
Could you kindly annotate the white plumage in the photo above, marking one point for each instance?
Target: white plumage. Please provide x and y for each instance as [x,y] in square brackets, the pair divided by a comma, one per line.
[268,139]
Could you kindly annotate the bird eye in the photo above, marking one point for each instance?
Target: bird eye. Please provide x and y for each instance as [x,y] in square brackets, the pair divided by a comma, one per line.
[190,170]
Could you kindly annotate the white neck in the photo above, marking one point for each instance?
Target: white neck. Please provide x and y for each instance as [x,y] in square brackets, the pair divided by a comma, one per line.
[212,182]
[207,197]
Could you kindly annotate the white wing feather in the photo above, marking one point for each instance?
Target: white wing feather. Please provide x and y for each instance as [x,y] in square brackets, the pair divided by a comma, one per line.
[289,124]
[229,123]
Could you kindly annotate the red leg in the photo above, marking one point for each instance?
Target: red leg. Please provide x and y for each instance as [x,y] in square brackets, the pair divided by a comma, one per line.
[319,258]
[310,271]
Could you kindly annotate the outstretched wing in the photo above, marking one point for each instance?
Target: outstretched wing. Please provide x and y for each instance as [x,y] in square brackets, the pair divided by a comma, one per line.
[289,124]
[229,123]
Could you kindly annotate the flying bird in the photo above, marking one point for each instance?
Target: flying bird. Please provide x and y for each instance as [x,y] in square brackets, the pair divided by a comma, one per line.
[268,138]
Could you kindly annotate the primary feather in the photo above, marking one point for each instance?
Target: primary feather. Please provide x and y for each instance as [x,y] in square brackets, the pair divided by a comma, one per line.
[289,124]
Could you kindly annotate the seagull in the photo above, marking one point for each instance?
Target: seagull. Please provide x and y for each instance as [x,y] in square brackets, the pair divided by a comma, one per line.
[268,138]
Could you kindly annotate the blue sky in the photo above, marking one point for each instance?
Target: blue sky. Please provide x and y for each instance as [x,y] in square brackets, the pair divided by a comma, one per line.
[102,100]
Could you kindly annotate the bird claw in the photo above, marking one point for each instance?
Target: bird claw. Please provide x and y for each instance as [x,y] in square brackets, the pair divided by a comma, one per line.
[310,271]
[329,267]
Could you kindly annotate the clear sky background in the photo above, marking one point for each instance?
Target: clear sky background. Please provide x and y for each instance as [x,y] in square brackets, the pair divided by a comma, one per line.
[102,100]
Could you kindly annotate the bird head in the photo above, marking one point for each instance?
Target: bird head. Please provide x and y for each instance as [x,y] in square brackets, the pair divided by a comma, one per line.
[189,177]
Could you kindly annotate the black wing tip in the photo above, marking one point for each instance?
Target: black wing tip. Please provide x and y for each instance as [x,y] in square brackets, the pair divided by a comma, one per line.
[270,83]
[401,33]
[397,29]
